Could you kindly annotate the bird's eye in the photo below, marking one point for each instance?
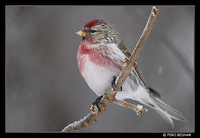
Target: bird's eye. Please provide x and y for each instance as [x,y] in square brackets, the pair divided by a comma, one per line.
[93,31]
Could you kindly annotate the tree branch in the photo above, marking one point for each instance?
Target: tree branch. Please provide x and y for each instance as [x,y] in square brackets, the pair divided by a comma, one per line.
[137,108]
[109,96]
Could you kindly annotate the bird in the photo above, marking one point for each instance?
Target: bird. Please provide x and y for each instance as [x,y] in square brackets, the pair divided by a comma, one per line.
[101,56]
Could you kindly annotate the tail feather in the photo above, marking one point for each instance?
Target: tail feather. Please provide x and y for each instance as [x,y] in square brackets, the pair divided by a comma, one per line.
[151,99]
[167,112]
[166,117]
[171,111]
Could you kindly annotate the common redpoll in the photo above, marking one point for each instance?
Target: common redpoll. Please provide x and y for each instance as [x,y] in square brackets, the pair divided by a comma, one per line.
[101,56]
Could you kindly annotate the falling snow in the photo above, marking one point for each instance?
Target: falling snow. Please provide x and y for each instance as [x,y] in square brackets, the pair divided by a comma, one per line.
[160,70]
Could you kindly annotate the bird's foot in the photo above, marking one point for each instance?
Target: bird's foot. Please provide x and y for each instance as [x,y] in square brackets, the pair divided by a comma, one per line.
[95,105]
[113,83]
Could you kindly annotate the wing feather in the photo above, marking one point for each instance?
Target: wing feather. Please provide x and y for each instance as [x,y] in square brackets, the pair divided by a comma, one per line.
[122,46]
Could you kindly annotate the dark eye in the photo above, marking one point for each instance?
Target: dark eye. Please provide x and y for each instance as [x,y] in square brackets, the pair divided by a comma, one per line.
[93,31]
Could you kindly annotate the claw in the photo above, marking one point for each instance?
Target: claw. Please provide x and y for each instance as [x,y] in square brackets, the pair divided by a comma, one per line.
[95,105]
[113,83]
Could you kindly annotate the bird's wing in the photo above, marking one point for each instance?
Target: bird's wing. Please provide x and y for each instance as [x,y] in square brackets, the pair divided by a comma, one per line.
[137,70]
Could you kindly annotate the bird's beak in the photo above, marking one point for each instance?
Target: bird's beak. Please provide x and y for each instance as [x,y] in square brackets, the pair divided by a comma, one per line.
[81,33]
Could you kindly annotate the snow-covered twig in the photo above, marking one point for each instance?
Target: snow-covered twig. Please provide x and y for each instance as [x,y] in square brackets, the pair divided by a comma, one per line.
[109,96]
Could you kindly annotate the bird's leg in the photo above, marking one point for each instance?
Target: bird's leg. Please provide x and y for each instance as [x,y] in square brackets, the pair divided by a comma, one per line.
[95,105]
[113,83]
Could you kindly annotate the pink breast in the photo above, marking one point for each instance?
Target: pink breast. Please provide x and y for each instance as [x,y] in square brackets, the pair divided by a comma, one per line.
[101,58]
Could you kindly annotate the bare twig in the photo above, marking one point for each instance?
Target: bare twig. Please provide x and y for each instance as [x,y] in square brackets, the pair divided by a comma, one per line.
[109,96]
[137,108]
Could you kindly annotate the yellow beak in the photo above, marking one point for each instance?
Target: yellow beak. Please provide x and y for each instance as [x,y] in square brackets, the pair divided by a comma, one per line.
[81,33]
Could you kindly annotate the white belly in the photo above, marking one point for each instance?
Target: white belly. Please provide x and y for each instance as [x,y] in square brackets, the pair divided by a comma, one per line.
[98,78]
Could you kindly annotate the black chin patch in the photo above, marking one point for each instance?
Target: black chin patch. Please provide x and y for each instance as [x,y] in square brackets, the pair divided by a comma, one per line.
[84,38]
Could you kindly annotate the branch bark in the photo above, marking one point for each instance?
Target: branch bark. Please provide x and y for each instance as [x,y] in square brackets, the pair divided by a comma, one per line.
[109,96]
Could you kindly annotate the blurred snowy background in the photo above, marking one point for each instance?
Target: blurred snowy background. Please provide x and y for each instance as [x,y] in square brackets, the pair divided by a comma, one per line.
[45,91]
